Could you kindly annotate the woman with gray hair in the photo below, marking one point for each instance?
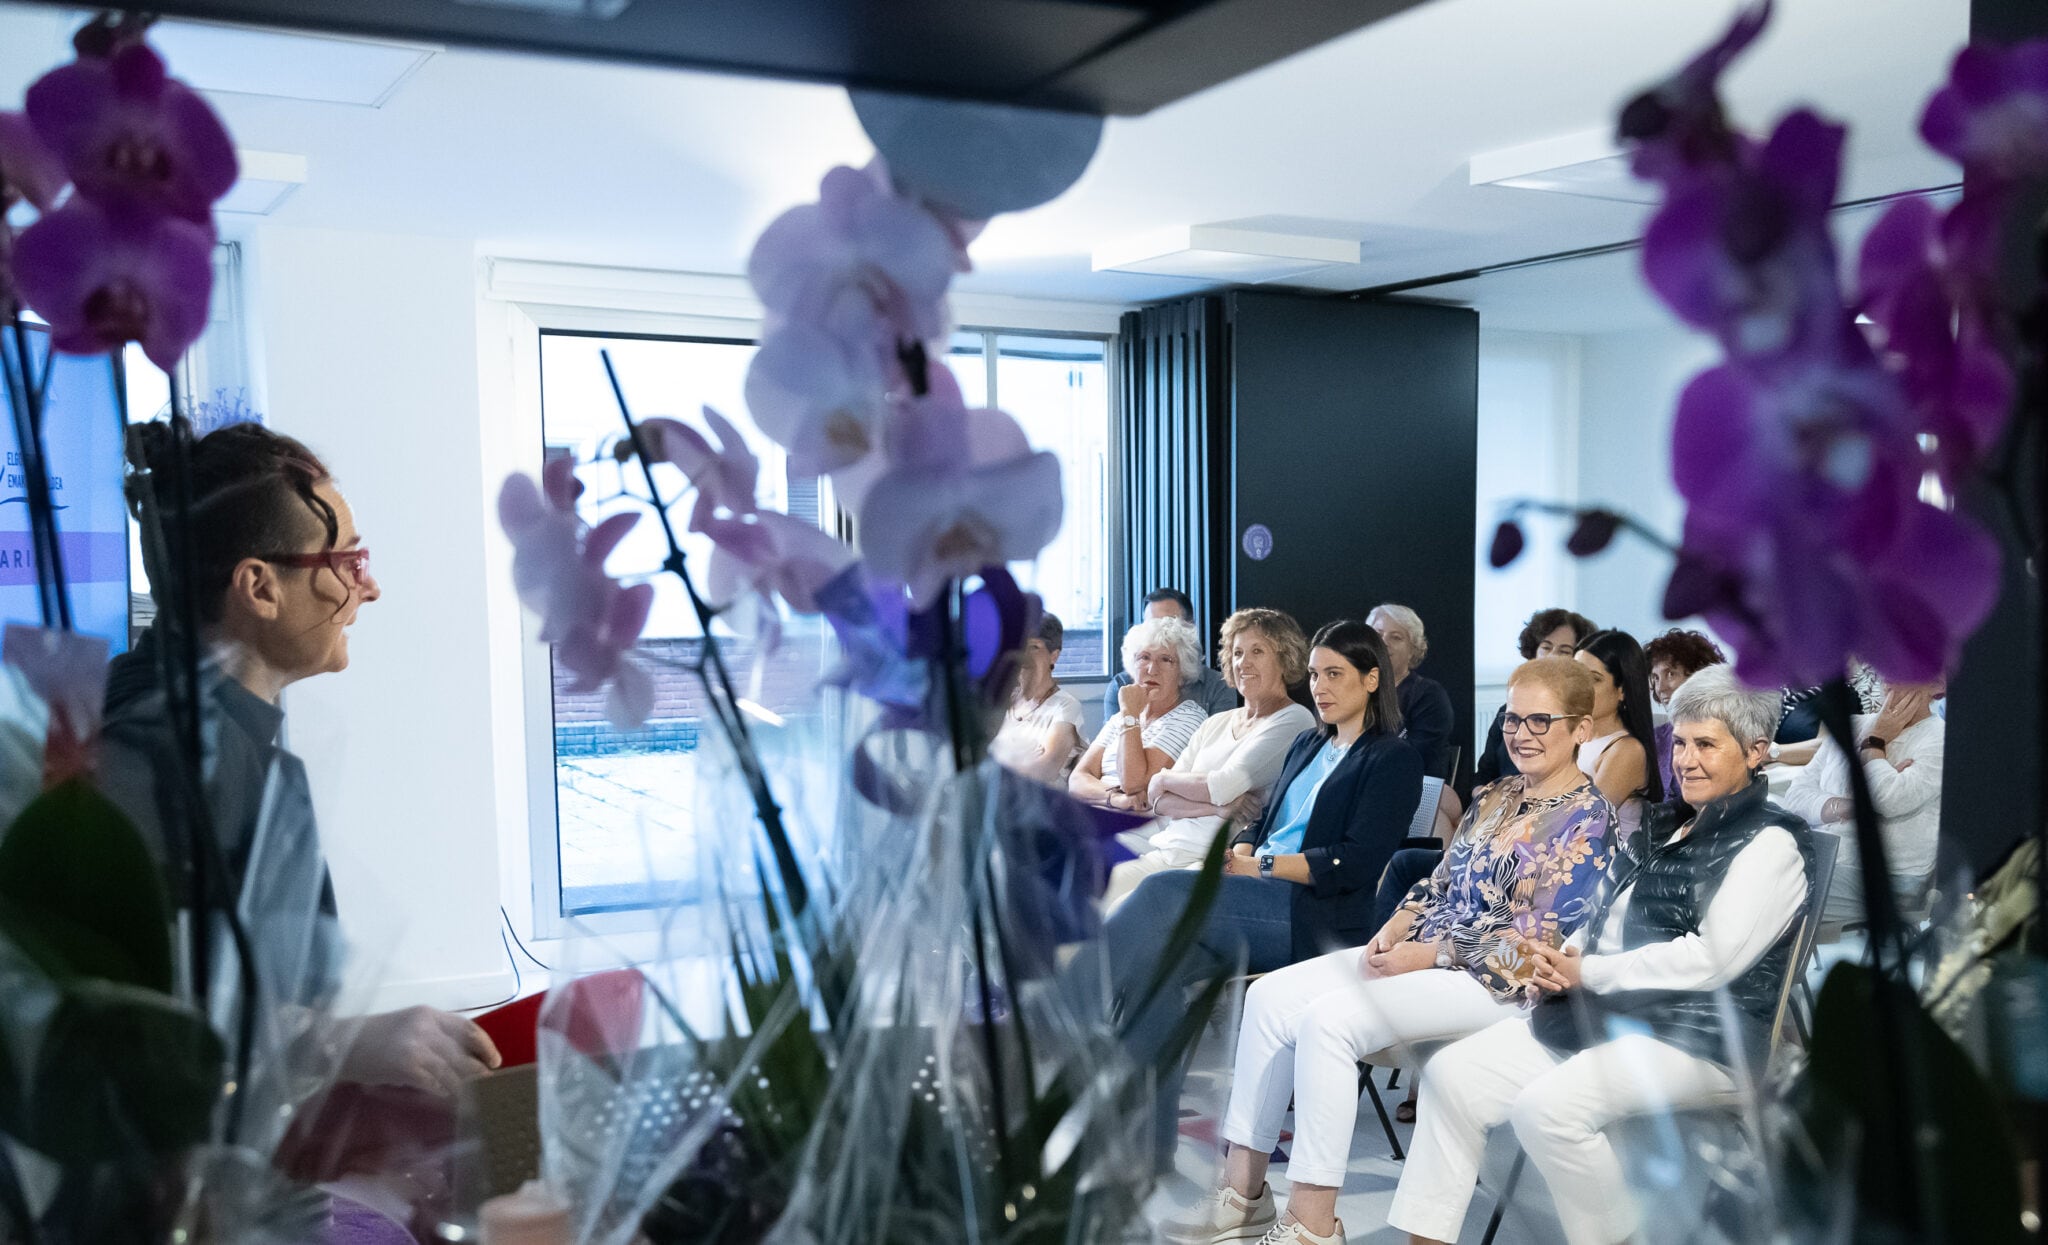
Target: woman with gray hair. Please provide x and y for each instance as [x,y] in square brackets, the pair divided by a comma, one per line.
[1155,721]
[1660,1002]
[1427,718]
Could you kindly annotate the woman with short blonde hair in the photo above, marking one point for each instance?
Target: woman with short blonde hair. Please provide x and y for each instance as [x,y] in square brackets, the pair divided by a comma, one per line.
[1221,779]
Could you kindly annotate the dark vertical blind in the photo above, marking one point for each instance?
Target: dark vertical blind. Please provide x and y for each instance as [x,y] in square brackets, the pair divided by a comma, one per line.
[1173,464]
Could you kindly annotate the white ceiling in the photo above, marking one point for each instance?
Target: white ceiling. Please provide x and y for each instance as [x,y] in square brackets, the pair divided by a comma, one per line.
[1365,138]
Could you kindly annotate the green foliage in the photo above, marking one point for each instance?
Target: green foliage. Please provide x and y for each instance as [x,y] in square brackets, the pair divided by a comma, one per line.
[99,1062]
[1849,1111]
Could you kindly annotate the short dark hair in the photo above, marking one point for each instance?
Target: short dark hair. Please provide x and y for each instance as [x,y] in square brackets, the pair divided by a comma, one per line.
[252,494]
[1543,622]
[1051,631]
[1175,595]
[1359,643]
[1690,651]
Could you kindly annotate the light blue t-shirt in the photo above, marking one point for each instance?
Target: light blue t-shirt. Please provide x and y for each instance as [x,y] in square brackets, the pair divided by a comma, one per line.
[1290,824]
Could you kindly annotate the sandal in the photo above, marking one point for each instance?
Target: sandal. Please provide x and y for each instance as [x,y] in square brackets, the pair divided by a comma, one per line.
[1405,1112]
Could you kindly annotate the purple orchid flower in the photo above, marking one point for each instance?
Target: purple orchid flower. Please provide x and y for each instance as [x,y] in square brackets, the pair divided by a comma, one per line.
[103,280]
[930,519]
[773,555]
[818,398]
[1991,116]
[28,168]
[1678,127]
[1747,255]
[133,138]
[558,569]
[862,265]
[1928,306]
[724,475]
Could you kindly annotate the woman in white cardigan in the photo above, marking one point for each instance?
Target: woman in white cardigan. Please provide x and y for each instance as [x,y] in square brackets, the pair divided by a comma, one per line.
[1223,774]
[1900,748]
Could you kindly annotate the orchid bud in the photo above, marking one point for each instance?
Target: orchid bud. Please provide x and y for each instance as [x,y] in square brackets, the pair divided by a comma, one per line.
[1507,544]
[1595,532]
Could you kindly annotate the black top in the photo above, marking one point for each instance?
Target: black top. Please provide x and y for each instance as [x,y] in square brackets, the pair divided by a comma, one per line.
[1427,721]
[1360,816]
[1495,761]
[261,807]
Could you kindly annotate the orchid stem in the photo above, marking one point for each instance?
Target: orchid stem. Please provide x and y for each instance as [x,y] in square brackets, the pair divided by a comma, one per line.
[724,700]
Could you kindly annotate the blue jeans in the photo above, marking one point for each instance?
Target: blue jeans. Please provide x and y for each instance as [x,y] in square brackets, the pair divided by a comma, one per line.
[1249,928]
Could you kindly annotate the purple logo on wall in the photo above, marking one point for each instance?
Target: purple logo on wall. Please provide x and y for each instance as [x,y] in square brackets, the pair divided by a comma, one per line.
[1258,542]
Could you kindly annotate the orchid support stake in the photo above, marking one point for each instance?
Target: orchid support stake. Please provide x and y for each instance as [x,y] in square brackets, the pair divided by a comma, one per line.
[724,700]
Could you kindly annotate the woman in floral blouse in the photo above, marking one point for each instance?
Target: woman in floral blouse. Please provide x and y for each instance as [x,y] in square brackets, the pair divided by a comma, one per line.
[1525,865]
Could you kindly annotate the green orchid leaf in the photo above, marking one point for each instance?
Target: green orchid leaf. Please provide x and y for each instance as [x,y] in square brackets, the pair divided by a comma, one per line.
[79,885]
[1964,1145]
[120,1072]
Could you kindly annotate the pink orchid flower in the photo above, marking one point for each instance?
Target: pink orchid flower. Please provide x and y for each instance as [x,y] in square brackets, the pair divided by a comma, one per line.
[724,475]
[133,138]
[815,397]
[772,554]
[103,280]
[28,169]
[69,671]
[864,266]
[965,491]
[558,569]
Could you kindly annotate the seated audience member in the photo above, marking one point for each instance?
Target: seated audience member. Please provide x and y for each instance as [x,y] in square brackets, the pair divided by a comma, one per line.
[1211,692]
[1525,866]
[1299,881]
[1154,720]
[1699,935]
[1675,657]
[1624,733]
[1548,633]
[1234,757]
[1041,731]
[1426,717]
[1900,749]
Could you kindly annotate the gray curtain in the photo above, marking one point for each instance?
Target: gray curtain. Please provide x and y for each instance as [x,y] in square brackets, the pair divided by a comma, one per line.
[1174,460]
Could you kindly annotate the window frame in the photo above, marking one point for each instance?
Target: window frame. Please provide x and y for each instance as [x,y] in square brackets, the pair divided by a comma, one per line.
[539,299]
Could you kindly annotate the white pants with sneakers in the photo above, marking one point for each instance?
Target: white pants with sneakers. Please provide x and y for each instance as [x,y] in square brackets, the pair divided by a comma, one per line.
[1305,1029]
[1558,1105]
[1125,876]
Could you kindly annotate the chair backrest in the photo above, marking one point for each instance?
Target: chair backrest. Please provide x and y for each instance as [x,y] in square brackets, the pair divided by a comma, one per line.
[1807,935]
[1457,754]
[1423,824]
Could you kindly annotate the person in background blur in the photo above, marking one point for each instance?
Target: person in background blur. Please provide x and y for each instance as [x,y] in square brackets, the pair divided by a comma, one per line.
[1675,657]
[1427,719]
[1041,732]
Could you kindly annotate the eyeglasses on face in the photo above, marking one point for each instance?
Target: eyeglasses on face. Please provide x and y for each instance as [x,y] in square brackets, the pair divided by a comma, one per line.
[1536,723]
[353,565]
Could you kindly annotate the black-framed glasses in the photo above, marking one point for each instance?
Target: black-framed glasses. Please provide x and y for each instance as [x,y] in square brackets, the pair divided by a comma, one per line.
[1537,723]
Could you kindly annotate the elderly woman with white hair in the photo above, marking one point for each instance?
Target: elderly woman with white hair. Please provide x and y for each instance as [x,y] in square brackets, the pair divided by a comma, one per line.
[1155,720]
[1427,719]
[1664,999]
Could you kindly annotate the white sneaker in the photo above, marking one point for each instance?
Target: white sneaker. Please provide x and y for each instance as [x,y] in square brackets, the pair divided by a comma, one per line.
[1289,1232]
[1225,1215]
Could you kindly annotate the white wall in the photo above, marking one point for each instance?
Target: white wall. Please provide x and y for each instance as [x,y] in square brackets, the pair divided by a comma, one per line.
[368,351]
[1528,451]
[1628,392]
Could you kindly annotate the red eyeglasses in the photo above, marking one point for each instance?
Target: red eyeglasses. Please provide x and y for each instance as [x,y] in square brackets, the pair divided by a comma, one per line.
[353,565]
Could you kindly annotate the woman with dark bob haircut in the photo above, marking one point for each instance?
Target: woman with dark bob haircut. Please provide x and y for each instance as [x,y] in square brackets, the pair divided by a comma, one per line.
[1297,882]
[249,524]
[1555,632]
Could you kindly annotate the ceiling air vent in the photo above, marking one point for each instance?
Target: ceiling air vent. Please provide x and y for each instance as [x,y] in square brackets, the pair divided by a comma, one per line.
[1225,254]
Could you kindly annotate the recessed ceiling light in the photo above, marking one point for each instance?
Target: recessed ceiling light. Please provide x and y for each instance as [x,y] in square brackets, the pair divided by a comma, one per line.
[1586,163]
[1221,253]
[267,179]
[315,68]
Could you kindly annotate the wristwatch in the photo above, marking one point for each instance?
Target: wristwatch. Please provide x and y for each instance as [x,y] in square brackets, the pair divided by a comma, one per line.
[1443,954]
[1878,742]
[1265,866]
[1128,722]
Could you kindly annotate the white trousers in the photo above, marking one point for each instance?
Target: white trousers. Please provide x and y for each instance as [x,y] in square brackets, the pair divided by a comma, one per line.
[1305,1029]
[1559,1107]
[1125,876]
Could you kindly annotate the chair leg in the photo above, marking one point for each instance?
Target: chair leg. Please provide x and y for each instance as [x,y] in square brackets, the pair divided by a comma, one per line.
[1394,1079]
[1507,1194]
[1386,1121]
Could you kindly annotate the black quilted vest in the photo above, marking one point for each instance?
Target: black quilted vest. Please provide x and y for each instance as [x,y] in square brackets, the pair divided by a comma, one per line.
[1670,891]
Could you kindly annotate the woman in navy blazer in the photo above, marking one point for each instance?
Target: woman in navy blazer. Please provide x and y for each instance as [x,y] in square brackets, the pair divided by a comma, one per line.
[1301,879]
